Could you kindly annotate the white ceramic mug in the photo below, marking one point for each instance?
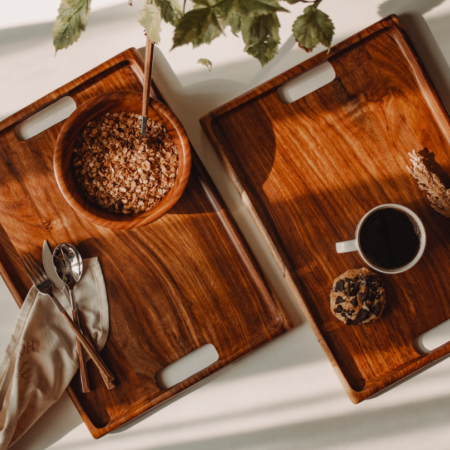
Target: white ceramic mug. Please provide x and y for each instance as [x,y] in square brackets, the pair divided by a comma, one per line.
[354,244]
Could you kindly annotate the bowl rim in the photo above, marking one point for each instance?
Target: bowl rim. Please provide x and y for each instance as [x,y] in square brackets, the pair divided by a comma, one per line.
[105,218]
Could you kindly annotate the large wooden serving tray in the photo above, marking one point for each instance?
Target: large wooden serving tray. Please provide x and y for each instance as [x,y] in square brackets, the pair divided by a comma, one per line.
[186,280]
[309,170]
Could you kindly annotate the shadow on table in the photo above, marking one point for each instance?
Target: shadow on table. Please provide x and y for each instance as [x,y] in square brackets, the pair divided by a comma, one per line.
[411,6]
[366,424]
[335,431]
[19,37]
[332,431]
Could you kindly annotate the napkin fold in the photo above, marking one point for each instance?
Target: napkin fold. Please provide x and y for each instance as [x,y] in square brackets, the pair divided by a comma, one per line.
[41,357]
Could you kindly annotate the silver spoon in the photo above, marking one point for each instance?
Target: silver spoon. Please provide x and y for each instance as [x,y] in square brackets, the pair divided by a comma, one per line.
[68,264]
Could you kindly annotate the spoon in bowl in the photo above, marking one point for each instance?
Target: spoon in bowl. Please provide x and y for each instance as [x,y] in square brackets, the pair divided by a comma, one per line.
[68,264]
[147,82]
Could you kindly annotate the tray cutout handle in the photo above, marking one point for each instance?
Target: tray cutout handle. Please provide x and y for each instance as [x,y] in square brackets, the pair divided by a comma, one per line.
[45,118]
[306,83]
[190,364]
[434,338]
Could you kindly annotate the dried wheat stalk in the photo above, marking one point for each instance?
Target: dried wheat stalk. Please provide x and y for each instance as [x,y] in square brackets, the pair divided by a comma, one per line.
[437,194]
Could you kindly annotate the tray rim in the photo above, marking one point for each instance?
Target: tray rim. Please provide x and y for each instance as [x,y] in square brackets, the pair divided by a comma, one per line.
[132,59]
[401,374]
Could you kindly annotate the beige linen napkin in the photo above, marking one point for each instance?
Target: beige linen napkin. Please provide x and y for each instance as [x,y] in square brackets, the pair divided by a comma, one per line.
[41,357]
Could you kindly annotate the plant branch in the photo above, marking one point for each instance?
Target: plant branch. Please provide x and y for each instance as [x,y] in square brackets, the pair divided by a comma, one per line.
[255,21]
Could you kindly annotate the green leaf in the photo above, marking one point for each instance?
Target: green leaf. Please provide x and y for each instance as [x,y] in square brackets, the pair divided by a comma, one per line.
[312,27]
[227,14]
[211,32]
[254,7]
[71,22]
[264,52]
[223,9]
[198,26]
[235,22]
[170,10]
[150,19]
[205,62]
[260,34]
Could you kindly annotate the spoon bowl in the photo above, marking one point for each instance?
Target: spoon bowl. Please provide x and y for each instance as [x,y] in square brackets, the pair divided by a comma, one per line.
[68,263]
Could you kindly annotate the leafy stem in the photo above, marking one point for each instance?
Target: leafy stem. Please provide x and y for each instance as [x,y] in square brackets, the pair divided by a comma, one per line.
[255,21]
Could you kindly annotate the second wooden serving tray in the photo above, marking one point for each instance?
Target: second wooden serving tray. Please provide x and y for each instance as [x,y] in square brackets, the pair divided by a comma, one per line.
[309,170]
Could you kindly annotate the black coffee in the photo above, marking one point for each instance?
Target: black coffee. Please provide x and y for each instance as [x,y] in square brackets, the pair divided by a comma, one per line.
[389,239]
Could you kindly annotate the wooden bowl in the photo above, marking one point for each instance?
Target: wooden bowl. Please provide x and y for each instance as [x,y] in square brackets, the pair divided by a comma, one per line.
[93,109]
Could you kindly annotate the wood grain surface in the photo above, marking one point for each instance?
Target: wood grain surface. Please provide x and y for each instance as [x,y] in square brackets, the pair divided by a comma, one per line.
[186,280]
[309,170]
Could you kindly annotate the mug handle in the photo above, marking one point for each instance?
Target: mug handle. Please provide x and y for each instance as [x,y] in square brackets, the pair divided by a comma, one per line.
[347,246]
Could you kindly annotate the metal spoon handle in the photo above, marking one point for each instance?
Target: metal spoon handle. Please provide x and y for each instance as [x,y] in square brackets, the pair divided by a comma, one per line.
[85,386]
[147,82]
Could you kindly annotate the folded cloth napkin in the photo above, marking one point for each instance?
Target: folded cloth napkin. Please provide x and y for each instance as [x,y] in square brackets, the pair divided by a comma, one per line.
[41,357]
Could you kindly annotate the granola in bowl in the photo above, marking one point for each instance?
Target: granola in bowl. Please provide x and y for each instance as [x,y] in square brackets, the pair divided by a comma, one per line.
[119,169]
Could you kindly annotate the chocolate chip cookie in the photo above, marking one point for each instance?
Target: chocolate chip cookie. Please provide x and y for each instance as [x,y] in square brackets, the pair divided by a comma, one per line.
[357,297]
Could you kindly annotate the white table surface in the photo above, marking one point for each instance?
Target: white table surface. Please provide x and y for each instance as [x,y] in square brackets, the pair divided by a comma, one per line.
[286,394]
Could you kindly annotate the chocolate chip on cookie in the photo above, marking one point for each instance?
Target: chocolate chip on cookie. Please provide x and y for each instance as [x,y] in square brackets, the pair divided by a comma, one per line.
[362,296]
[339,286]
